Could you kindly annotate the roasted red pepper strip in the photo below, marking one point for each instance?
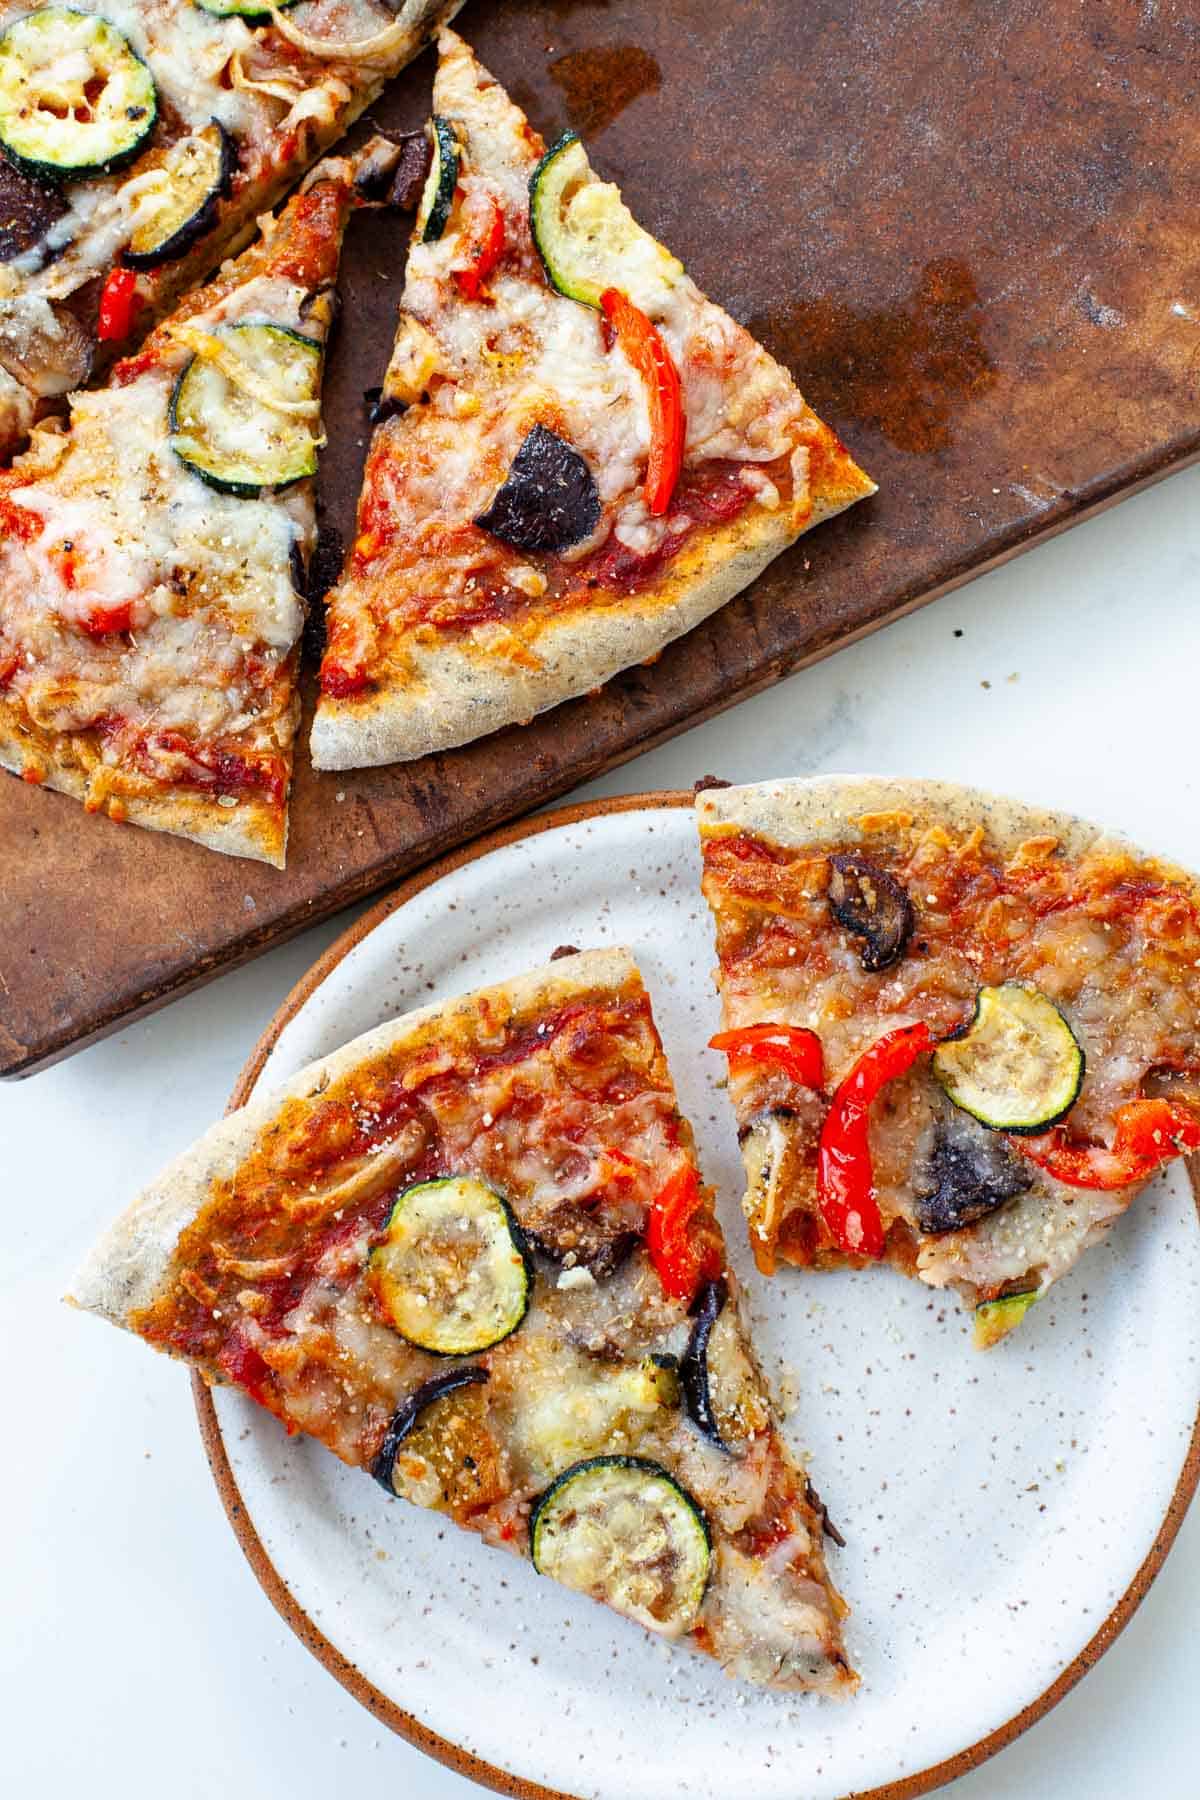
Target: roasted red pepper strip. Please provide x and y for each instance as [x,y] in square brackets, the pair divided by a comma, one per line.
[652,360]
[119,306]
[484,247]
[103,621]
[845,1177]
[682,1257]
[788,1047]
[1149,1132]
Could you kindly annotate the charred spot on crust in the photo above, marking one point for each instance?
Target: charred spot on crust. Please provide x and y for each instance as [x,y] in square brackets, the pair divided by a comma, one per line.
[28,208]
[548,499]
[707,782]
[564,950]
[872,904]
[973,1172]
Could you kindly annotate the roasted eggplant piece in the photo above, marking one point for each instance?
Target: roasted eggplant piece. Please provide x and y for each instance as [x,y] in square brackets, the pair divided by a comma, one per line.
[693,1368]
[188,181]
[769,1153]
[28,208]
[598,1244]
[396,171]
[971,1172]
[75,97]
[409,1411]
[548,500]
[866,900]
[48,360]
[622,1530]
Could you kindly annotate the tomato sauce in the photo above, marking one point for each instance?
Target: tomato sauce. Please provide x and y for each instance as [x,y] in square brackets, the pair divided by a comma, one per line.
[275,1211]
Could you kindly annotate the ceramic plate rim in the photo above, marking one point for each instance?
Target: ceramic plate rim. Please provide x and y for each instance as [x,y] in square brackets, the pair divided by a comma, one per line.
[406,1724]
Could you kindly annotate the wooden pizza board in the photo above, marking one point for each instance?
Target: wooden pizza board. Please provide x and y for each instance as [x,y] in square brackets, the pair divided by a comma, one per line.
[969,230]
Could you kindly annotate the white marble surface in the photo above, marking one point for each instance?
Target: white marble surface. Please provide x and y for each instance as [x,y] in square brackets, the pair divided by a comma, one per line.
[137,1647]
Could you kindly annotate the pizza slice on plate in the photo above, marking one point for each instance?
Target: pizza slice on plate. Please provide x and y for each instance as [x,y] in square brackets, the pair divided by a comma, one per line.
[138,143]
[585,456]
[962,1032]
[471,1253]
[152,555]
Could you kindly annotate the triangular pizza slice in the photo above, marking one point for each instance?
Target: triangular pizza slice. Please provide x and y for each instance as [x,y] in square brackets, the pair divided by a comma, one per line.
[471,1253]
[138,144]
[153,553]
[585,457]
[962,1032]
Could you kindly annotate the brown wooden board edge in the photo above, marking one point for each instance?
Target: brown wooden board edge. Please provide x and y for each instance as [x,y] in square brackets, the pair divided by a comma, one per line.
[77,1036]
[350,1677]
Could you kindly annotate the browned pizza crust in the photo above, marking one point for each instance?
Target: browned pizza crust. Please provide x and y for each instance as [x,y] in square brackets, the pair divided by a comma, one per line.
[242,825]
[453,694]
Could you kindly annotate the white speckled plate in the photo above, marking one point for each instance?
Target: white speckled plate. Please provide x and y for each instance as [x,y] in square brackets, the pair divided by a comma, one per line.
[1003,1513]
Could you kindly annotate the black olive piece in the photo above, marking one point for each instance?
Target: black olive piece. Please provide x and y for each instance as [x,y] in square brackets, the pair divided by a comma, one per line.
[548,499]
[707,783]
[408,1412]
[873,905]
[973,1172]
[28,208]
[706,1309]
[564,950]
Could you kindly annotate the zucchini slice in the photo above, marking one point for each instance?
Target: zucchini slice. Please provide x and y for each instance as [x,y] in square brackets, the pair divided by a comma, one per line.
[223,423]
[75,97]
[622,1530]
[994,1319]
[586,236]
[452,1275]
[438,194]
[251,11]
[182,188]
[1018,1066]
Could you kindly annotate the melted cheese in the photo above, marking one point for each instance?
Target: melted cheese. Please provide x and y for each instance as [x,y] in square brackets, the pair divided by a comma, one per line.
[207,576]
[190,53]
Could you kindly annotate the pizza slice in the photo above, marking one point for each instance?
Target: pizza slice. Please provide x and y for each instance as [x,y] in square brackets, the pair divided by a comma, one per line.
[471,1253]
[962,1032]
[152,555]
[138,144]
[584,458]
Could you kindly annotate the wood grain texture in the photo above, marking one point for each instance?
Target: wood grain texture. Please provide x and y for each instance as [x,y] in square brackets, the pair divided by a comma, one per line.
[968,230]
